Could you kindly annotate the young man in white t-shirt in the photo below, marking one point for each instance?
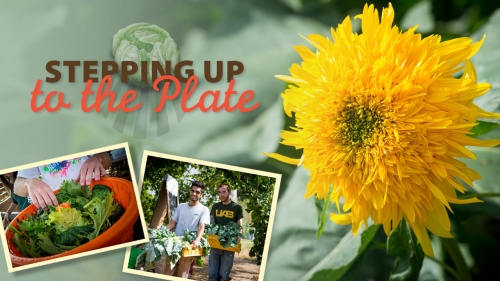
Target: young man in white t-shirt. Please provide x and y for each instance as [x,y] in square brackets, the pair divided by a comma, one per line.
[192,216]
[41,191]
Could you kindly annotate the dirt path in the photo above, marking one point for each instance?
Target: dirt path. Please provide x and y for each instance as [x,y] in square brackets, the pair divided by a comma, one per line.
[243,269]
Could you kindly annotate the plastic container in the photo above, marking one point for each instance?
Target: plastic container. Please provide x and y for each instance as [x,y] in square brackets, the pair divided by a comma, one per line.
[214,243]
[192,252]
[120,232]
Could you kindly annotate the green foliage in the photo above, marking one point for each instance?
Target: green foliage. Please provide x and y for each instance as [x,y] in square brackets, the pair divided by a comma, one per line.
[448,18]
[485,62]
[165,244]
[100,211]
[212,229]
[483,128]
[46,245]
[65,218]
[156,169]
[226,234]
[100,191]
[73,193]
[259,190]
[342,257]
[74,189]
[322,206]
[75,235]
[35,223]
[403,244]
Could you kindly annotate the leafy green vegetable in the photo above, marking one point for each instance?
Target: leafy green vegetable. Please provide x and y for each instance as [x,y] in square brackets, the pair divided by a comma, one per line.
[144,42]
[32,224]
[100,191]
[100,211]
[61,229]
[66,218]
[117,213]
[73,193]
[47,246]
[75,235]
[212,229]
[24,244]
[227,234]
[164,243]
[73,188]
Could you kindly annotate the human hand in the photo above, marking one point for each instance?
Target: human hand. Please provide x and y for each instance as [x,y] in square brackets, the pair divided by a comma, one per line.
[239,239]
[6,219]
[93,166]
[40,193]
[196,243]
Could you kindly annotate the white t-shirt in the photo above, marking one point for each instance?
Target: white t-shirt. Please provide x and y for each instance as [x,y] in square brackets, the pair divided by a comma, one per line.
[53,174]
[189,217]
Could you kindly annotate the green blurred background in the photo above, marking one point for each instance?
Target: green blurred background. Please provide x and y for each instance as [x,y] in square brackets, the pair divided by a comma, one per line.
[260,34]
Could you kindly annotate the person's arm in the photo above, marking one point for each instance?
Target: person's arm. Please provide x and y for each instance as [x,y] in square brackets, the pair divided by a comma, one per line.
[6,218]
[171,225]
[40,193]
[20,187]
[95,166]
[173,222]
[201,230]
[204,220]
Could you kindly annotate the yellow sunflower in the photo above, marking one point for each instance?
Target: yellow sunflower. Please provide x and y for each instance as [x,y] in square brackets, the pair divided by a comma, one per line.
[381,121]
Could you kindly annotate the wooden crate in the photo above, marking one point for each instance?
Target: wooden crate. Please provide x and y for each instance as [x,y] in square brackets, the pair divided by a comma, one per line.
[214,243]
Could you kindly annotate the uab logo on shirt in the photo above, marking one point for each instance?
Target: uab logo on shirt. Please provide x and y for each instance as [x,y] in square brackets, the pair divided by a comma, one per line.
[224,213]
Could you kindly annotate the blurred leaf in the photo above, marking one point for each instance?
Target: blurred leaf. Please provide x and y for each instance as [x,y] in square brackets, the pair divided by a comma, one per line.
[487,163]
[466,254]
[420,14]
[431,270]
[295,5]
[339,260]
[487,68]
[294,250]
[483,128]
[403,244]
[258,135]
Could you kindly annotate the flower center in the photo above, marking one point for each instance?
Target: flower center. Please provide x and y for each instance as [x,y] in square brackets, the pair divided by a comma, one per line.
[359,124]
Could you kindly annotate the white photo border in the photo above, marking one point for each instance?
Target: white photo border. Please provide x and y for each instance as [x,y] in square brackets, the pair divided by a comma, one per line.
[11,269]
[147,153]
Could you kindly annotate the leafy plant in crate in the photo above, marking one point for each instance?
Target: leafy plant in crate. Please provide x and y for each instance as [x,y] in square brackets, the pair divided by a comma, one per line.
[165,244]
[226,234]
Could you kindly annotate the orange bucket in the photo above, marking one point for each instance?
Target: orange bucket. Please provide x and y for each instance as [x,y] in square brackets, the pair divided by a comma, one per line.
[120,232]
